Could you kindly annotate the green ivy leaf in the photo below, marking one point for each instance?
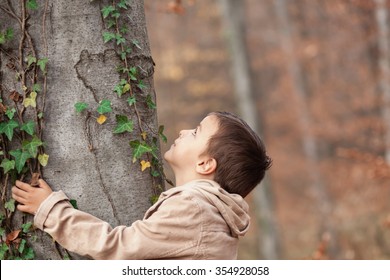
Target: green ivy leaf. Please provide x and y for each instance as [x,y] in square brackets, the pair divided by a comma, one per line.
[32,146]
[28,127]
[123,4]
[139,148]
[108,36]
[9,34]
[8,128]
[116,14]
[31,4]
[131,100]
[123,124]
[155,173]
[29,254]
[21,245]
[119,39]
[153,199]
[107,10]
[110,23]
[31,60]
[36,88]
[124,30]
[104,107]
[6,36]
[80,106]
[150,102]
[26,227]
[20,158]
[7,165]
[161,133]
[42,64]
[125,52]
[141,85]
[118,89]
[10,113]
[74,203]
[132,73]
[3,250]
[10,205]
[123,81]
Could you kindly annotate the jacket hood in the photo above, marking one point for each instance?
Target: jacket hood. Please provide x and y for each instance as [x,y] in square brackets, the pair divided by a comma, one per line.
[232,207]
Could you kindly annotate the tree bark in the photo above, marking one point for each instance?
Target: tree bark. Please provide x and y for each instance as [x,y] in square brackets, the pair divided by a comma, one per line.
[233,14]
[90,163]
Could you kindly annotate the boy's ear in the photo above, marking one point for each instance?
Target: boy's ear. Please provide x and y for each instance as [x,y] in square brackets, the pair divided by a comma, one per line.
[206,166]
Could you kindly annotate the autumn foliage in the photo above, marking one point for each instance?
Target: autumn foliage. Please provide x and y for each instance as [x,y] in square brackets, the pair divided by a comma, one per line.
[335,46]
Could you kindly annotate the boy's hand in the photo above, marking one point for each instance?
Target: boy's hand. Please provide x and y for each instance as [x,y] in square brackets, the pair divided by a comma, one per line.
[30,198]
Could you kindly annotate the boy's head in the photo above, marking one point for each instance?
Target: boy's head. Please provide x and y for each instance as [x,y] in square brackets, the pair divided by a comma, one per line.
[222,148]
[240,154]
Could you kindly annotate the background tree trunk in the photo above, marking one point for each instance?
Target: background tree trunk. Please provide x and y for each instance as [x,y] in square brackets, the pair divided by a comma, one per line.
[382,19]
[233,14]
[90,163]
[309,144]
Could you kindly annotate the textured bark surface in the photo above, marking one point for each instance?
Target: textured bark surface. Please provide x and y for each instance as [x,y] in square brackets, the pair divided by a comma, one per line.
[81,67]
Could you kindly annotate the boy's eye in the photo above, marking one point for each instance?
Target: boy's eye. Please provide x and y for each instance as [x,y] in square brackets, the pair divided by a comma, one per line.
[194,133]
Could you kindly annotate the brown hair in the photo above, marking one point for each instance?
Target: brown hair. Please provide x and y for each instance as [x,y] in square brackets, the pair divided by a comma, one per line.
[240,154]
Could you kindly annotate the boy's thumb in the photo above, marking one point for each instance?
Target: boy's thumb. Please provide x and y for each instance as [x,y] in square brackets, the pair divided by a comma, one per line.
[43,184]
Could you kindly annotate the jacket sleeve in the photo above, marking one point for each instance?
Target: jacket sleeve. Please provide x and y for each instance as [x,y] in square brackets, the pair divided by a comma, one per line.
[174,229]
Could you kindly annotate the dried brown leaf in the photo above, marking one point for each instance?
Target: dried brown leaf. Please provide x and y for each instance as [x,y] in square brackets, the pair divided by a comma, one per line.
[12,236]
[15,96]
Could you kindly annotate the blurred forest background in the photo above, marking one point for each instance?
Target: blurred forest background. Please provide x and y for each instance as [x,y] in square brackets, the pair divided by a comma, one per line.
[314,78]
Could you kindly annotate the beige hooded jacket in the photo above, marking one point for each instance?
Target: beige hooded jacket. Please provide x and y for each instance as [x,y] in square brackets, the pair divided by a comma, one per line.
[198,220]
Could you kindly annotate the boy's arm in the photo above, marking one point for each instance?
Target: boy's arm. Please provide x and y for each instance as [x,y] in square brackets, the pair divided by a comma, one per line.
[162,235]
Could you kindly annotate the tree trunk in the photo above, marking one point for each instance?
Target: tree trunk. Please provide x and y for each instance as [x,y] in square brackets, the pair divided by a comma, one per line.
[308,140]
[382,19]
[86,159]
[233,14]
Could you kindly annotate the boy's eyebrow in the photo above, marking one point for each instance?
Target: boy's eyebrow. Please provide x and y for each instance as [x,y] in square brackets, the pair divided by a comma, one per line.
[199,127]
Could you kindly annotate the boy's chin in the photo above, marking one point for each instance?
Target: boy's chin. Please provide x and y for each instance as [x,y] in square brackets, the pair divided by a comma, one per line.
[169,158]
[166,156]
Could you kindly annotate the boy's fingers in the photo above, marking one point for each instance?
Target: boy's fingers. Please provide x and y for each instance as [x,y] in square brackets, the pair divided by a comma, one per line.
[23,186]
[18,198]
[23,208]
[18,192]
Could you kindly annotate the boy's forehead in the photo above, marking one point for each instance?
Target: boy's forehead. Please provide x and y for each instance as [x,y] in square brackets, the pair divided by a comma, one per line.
[210,122]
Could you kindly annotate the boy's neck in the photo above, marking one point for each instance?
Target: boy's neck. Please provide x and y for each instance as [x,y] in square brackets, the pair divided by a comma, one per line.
[182,179]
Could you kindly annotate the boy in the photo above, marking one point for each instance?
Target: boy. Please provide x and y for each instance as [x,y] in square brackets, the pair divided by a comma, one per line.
[215,166]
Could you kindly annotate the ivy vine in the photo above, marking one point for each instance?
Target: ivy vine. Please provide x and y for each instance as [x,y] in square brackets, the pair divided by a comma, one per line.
[130,87]
[21,121]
